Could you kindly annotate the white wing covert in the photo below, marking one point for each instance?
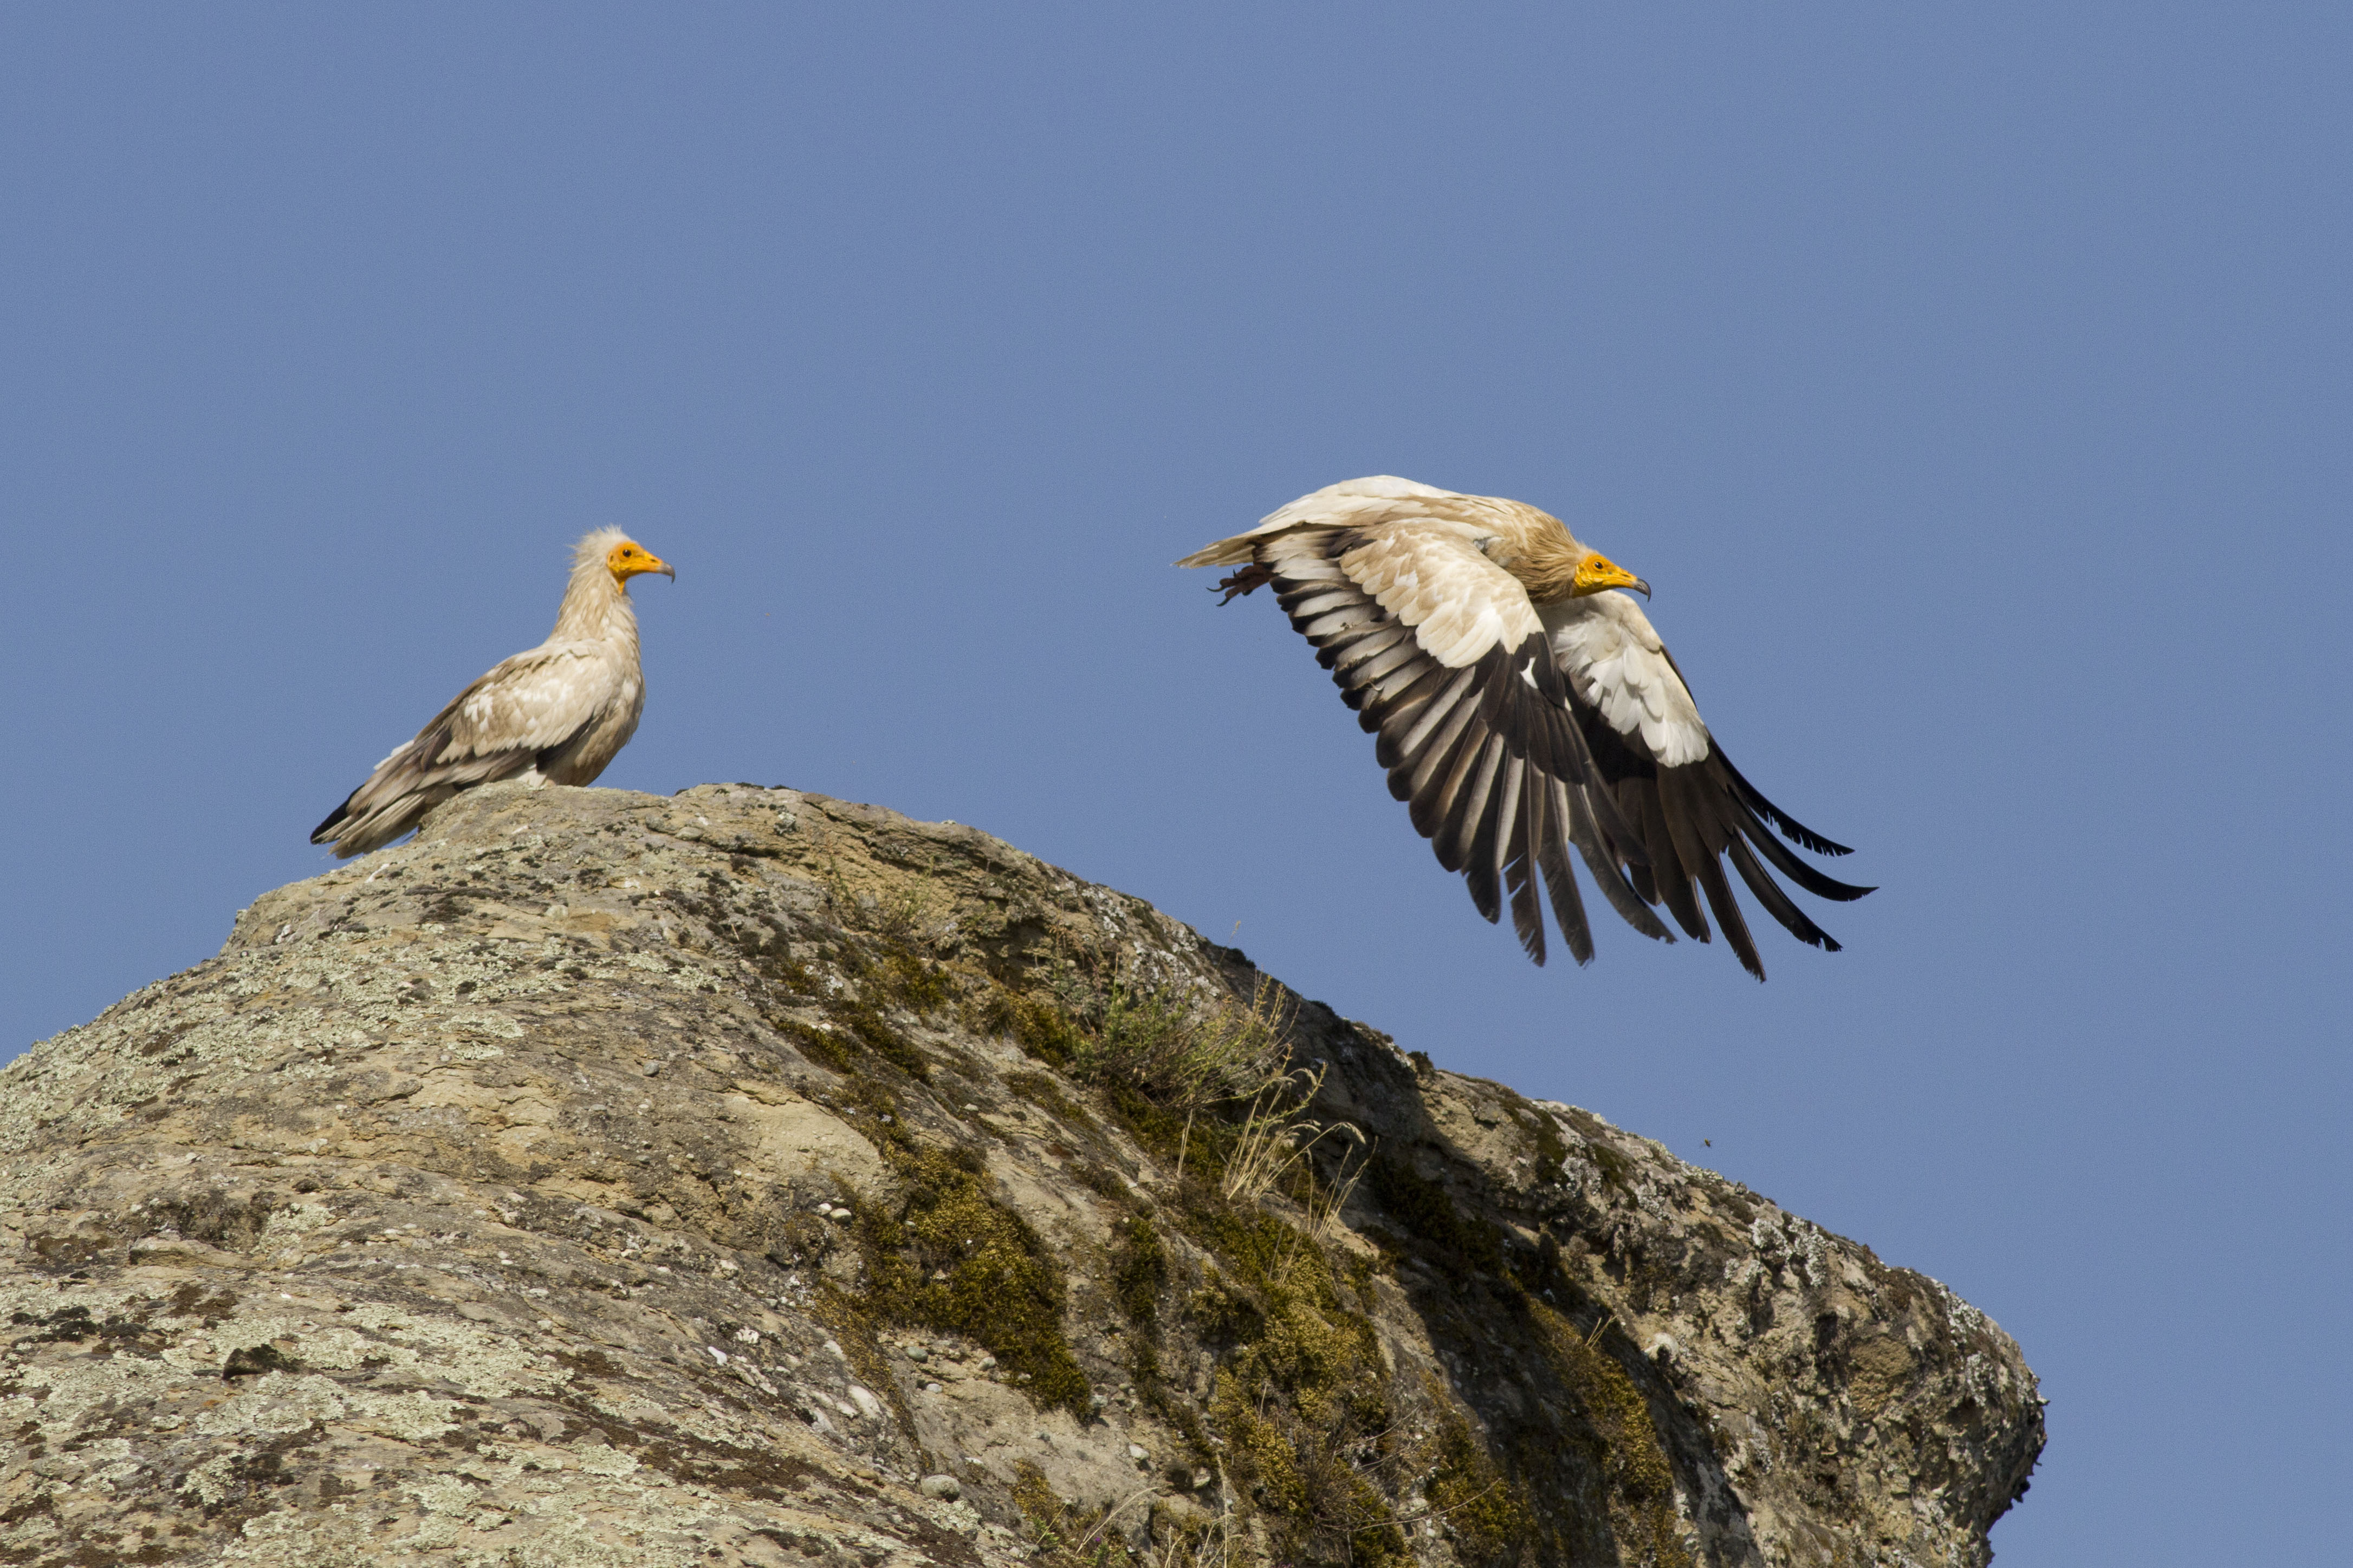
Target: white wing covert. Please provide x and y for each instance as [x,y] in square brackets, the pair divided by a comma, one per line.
[534,702]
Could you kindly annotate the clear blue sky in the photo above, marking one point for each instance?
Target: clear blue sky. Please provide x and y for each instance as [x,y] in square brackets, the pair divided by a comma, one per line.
[1972,383]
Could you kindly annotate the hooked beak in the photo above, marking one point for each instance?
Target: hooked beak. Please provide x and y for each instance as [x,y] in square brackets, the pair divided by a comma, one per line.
[1597,572]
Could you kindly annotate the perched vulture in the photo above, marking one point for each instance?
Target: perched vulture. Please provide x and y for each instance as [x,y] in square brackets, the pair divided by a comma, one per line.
[558,712]
[1522,708]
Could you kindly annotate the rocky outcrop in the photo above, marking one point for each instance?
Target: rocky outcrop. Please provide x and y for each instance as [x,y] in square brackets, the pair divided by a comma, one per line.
[750,1177]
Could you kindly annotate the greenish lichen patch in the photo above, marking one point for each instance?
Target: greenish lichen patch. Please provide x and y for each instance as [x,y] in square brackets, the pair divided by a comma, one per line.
[944,1253]
[1139,1270]
[1615,1168]
[1470,1494]
[1042,1029]
[1641,1482]
[1544,1135]
[1047,1095]
[1059,1533]
[1302,1406]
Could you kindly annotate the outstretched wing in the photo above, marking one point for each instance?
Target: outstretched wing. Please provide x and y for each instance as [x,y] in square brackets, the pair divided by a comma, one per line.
[497,727]
[1444,659]
[1689,807]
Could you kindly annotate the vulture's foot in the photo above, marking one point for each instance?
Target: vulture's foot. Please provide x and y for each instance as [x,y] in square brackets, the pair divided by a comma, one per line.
[1248,580]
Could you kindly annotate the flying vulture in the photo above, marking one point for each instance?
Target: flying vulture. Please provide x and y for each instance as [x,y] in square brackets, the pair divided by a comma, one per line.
[1523,706]
[558,712]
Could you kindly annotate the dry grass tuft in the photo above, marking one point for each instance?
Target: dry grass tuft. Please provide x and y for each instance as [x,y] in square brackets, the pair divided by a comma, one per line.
[1276,1135]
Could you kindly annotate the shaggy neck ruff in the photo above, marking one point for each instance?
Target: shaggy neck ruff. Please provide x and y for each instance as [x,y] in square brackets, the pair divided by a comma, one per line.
[596,608]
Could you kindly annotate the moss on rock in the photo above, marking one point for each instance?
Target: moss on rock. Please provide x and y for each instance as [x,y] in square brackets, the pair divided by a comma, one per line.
[1139,1270]
[944,1253]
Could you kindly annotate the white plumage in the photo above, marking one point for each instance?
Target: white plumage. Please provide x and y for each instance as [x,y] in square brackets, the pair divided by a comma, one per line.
[558,712]
[1615,662]
[1522,708]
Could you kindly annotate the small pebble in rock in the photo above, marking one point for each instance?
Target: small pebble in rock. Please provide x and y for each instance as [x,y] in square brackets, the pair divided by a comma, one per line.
[917,1352]
[1138,1452]
[943,1487]
[931,1388]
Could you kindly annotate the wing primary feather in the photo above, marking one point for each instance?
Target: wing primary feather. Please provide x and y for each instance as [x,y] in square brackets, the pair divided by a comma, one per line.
[1612,836]
[1335,625]
[1561,883]
[1435,758]
[1470,811]
[1729,821]
[1480,818]
[1789,865]
[1517,856]
[1621,894]
[1378,702]
[1777,902]
[1540,712]
[1499,834]
[1666,861]
[1697,840]
[1372,658]
[1446,701]
[1306,607]
[1796,832]
[1405,687]
[1351,660]
[1450,800]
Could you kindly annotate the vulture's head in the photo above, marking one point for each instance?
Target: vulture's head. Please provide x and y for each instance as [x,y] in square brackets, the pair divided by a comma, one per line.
[629,559]
[619,554]
[1596,571]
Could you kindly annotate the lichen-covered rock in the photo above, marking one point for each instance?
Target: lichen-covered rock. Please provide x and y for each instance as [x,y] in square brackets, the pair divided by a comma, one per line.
[750,1177]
